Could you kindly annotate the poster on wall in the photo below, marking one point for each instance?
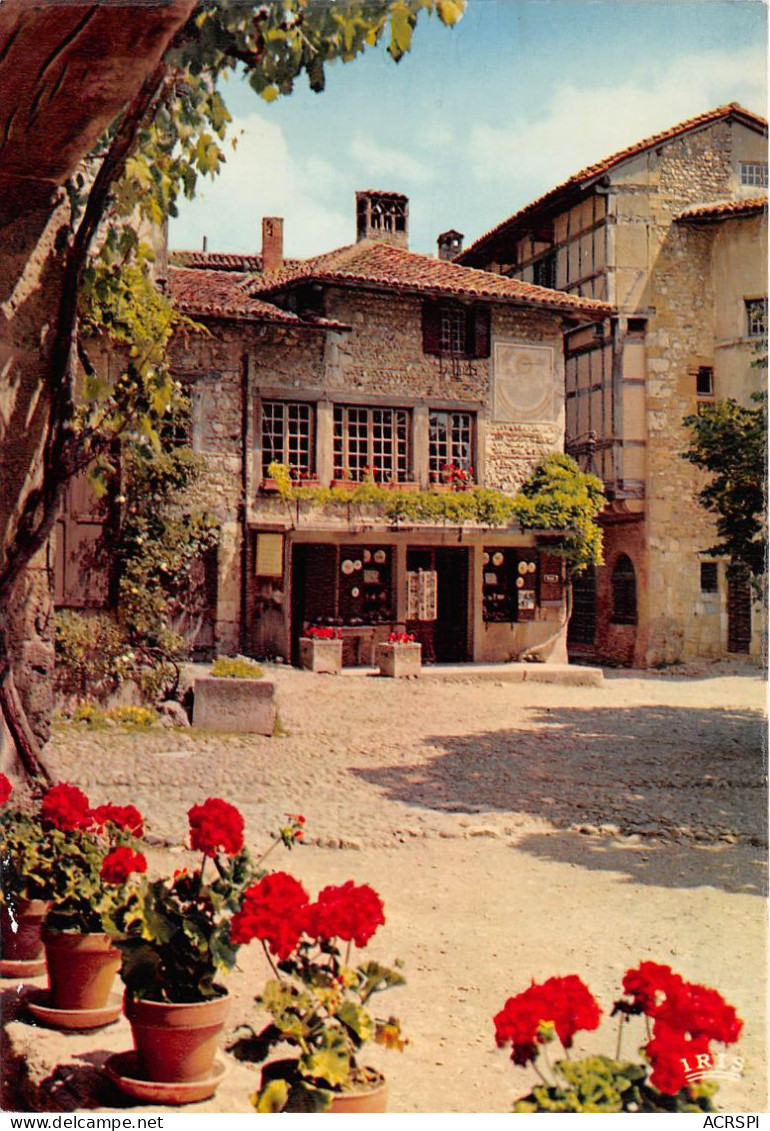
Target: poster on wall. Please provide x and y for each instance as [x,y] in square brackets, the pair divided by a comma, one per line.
[269,556]
[422,595]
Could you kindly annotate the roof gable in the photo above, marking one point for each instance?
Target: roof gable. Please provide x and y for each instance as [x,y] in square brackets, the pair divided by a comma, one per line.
[580,180]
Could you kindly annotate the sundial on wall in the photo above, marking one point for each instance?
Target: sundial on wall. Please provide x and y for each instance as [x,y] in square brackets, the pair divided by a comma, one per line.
[522,379]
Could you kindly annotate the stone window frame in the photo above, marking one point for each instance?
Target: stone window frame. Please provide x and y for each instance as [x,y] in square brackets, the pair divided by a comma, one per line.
[372,440]
[297,435]
[458,446]
[624,596]
[753,173]
[704,382]
[756,316]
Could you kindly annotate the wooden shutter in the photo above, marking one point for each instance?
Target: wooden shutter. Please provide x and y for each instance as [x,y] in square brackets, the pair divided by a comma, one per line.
[478,332]
[431,327]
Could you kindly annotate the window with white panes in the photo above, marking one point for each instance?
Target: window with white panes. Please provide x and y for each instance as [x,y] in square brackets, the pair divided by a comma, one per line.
[754,173]
[453,330]
[756,317]
[450,444]
[371,443]
[287,437]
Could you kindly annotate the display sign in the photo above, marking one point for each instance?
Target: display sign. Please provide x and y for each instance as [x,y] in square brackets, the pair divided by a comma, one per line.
[421,595]
[269,556]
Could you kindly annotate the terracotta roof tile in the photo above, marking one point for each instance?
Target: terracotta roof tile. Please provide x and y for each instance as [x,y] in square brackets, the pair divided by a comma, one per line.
[718,210]
[219,260]
[198,293]
[591,172]
[382,266]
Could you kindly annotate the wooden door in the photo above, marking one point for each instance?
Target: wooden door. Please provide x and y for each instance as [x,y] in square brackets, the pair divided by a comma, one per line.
[738,613]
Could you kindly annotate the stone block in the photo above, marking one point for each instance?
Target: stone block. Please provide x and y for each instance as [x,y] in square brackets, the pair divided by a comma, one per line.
[320,655]
[397,661]
[243,706]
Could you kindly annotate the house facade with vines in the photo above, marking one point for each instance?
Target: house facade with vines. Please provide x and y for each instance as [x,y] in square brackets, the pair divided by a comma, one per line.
[349,408]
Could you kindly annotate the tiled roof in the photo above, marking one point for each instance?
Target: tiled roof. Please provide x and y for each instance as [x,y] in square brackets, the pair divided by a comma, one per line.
[718,210]
[591,172]
[198,293]
[371,263]
[219,260]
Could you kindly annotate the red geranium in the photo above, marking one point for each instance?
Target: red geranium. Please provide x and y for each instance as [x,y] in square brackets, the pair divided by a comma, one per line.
[125,817]
[565,1003]
[649,985]
[700,1012]
[669,1053]
[271,911]
[66,807]
[215,826]
[352,913]
[6,789]
[120,863]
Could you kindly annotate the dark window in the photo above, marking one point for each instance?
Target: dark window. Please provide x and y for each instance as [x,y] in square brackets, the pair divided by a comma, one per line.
[756,317]
[709,577]
[637,325]
[705,381]
[450,444]
[754,173]
[624,591]
[371,443]
[287,436]
[544,271]
[455,331]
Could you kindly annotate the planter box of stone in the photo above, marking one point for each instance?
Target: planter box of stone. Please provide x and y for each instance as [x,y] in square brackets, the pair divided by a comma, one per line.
[320,655]
[399,660]
[243,706]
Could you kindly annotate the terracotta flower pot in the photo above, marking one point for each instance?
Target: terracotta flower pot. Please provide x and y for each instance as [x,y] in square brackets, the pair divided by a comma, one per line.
[81,969]
[372,1100]
[176,1041]
[21,927]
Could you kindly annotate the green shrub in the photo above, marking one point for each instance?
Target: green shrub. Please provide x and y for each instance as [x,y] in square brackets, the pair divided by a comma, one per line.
[236,667]
[92,655]
[126,715]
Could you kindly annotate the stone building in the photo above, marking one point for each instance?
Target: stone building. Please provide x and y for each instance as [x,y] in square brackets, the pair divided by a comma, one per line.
[372,363]
[672,232]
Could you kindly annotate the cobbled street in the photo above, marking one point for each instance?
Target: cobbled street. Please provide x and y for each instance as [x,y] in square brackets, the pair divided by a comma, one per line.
[514,831]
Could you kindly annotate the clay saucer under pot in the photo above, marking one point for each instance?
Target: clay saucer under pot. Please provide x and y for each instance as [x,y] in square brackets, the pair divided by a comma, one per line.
[22,967]
[125,1072]
[36,1001]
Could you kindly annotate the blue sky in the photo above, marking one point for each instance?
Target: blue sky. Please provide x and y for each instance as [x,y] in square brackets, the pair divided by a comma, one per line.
[478,119]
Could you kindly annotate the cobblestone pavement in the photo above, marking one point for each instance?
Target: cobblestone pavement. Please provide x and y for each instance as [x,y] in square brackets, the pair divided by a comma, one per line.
[514,831]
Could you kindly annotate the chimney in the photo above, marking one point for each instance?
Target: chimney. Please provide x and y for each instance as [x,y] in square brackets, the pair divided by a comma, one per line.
[450,244]
[272,244]
[383,216]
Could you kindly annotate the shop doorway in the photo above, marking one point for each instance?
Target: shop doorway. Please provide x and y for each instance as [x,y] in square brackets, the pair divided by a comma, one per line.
[313,588]
[581,631]
[738,612]
[444,636]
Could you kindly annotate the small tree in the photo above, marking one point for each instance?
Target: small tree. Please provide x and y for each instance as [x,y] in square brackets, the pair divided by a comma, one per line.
[730,442]
[559,496]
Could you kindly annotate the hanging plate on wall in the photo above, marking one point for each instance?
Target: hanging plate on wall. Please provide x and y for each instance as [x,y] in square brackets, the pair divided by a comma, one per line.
[347,566]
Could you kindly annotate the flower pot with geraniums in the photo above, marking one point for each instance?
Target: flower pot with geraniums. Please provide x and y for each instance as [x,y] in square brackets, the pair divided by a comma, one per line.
[58,855]
[22,906]
[92,859]
[677,1073]
[174,937]
[400,657]
[320,650]
[319,1001]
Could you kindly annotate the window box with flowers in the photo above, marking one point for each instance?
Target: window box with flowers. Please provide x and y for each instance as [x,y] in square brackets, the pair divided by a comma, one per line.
[320,650]
[452,477]
[319,1000]
[677,1069]
[400,657]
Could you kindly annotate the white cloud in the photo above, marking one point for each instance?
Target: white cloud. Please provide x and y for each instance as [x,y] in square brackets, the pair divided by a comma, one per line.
[581,125]
[262,177]
[378,160]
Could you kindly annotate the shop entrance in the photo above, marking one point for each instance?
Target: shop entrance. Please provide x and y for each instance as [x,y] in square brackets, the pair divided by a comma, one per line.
[437,578]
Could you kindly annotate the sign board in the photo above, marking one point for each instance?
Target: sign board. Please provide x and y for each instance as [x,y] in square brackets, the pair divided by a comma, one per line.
[421,594]
[269,556]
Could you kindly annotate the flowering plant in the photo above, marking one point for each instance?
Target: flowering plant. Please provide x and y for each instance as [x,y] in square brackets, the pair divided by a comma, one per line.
[401,638]
[682,1019]
[318,1001]
[174,932]
[64,850]
[322,632]
[455,476]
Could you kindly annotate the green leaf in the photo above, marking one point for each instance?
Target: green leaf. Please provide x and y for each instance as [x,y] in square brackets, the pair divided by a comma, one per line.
[272,1098]
[357,1020]
[329,1064]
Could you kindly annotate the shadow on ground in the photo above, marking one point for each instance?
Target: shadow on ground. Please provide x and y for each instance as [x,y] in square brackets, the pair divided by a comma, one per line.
[692,776]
